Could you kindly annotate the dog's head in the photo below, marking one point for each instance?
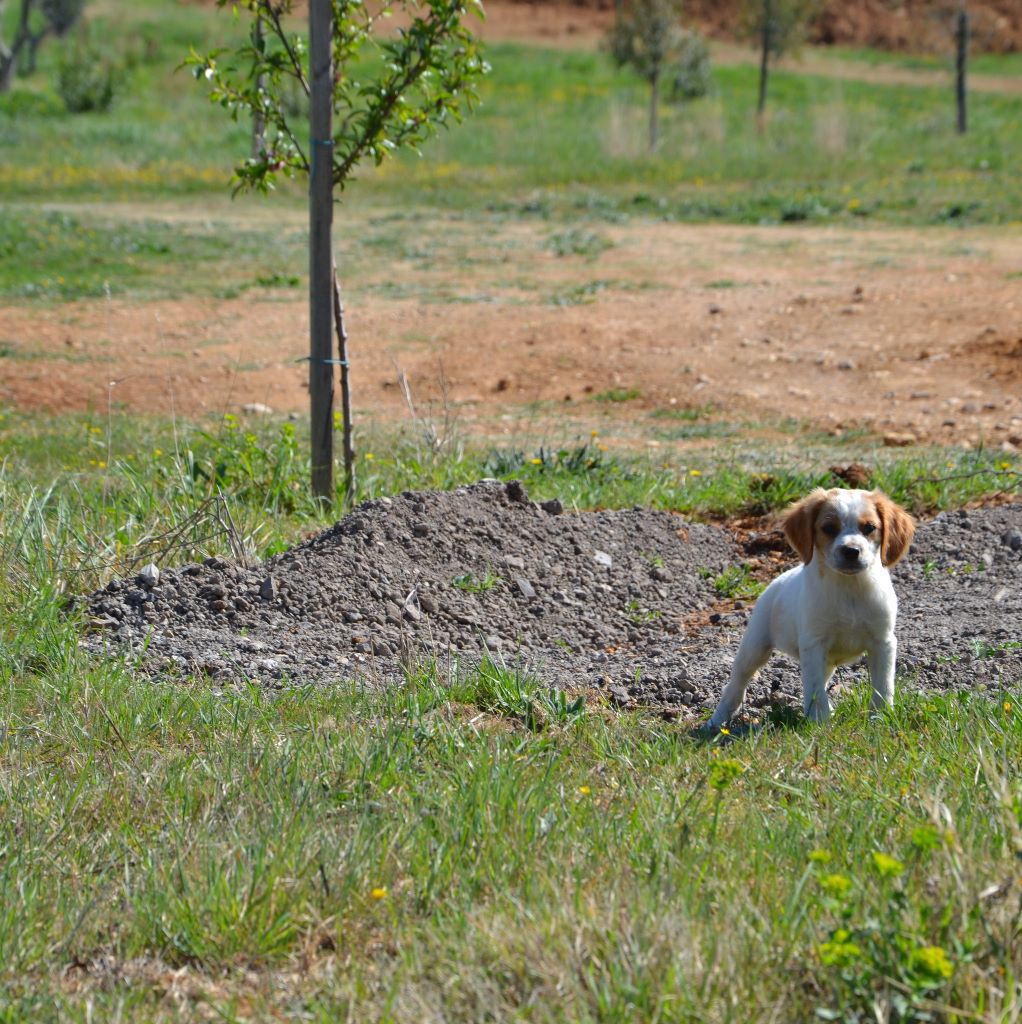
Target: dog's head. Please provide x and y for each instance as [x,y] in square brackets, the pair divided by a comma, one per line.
[849,529]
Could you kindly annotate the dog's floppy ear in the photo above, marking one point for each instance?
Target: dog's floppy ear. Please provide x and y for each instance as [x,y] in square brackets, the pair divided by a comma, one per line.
[896,529]
[799,523]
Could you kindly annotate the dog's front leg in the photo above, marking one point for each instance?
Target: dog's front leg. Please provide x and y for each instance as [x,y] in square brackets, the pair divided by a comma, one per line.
[815,675]
[880,658]
[752,655]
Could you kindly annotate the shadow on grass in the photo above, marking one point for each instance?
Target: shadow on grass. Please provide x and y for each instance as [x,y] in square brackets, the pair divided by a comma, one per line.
[778,716]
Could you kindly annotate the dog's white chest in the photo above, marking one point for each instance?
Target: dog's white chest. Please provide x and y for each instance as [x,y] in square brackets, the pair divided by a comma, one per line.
[847,624]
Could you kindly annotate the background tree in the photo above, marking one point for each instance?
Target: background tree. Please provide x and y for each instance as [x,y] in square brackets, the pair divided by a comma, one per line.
[776,27]
[37,19]
[388,92]
[961,67]
[647,36]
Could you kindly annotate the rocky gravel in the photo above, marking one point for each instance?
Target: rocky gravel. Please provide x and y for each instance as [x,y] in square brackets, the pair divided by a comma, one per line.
[621,601]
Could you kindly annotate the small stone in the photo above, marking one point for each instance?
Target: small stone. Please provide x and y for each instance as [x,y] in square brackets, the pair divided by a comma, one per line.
[392,612]
[516,493]
[987,559]
[1012,539]
[661,574]
[421,529]
[553,506]
[148,576]
[619,695]
[715,310]
[256,409]
[269,665]
[525,588]
[846,364]
[268,589]
[350,615]
[514,562]
[895,440]
[602,558]
[427,604]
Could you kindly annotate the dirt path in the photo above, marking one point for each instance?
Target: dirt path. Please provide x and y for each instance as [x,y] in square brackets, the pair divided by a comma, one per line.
[907,333]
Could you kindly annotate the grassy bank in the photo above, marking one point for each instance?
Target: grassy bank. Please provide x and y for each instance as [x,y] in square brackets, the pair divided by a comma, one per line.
[556,134]
[103,491]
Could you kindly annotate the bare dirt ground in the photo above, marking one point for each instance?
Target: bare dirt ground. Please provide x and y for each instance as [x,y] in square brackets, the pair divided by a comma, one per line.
[905,333]
[912,334]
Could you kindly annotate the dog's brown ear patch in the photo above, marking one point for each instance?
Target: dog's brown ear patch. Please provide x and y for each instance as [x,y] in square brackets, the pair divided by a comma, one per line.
[897,528]
[799,523]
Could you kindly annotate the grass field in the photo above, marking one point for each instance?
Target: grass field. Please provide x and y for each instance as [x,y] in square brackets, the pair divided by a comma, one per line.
[555,133]
[175,851]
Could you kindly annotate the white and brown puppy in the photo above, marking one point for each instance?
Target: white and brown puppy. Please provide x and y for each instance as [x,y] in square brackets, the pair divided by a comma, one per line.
[839,604]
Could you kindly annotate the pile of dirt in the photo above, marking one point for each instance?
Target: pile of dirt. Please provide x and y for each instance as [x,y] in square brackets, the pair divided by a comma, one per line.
[623,601]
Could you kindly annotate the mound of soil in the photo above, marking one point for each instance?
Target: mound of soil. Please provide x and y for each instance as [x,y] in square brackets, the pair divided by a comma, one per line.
[622,600]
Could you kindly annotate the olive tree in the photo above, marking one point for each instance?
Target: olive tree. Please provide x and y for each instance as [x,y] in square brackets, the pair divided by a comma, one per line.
[384,91]
[37,19]
[776,27]
[647,36]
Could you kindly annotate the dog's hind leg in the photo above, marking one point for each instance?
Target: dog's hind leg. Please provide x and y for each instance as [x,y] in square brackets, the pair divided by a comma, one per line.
[880,659]
[753,653]
[816,674]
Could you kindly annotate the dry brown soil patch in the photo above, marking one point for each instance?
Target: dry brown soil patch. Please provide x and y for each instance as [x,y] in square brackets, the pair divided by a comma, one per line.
[913,332]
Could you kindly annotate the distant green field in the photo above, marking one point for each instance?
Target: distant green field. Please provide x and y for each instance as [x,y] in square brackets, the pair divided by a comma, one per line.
[980,63]
[555,134]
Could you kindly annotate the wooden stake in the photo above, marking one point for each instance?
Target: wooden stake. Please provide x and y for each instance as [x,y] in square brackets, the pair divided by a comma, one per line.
[321,261]
[342,349]
[961,63]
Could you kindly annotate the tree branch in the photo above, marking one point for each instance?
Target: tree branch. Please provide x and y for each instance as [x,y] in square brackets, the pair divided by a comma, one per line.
[274,15]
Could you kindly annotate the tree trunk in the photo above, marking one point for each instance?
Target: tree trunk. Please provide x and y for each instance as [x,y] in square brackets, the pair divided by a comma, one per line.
[7,58]
[321,260]
[9,54]
[764,63]
[961,63]
[31,60]
[654,110]
[342,349]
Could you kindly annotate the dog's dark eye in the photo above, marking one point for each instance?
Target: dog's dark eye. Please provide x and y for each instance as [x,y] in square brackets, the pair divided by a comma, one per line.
[830,529]
[869,528]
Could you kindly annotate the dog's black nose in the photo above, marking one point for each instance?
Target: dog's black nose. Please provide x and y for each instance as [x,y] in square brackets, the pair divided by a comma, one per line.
[849,553]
